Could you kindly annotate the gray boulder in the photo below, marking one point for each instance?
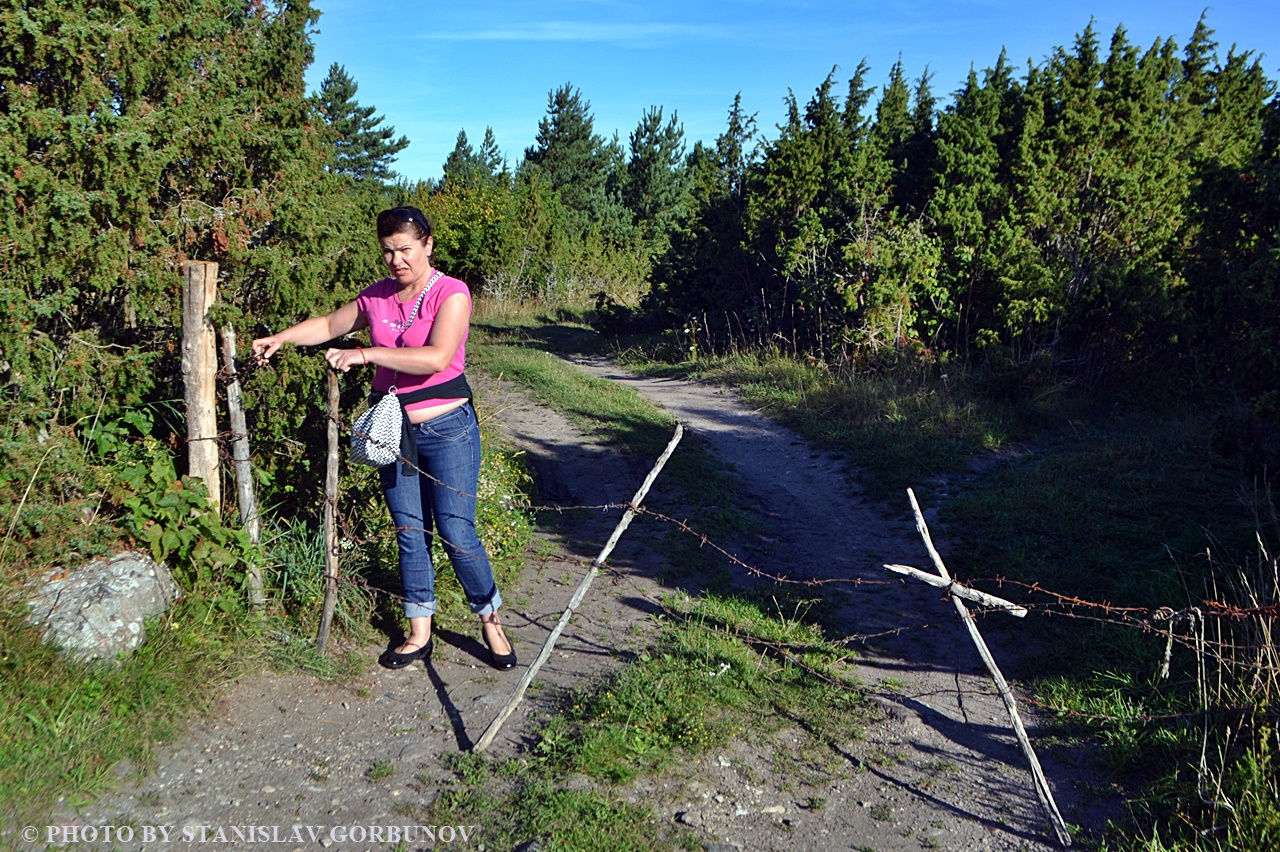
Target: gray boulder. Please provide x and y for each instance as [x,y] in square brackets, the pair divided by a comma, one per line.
[98,611]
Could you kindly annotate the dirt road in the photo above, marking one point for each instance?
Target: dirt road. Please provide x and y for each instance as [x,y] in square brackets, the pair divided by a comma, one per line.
[940,770]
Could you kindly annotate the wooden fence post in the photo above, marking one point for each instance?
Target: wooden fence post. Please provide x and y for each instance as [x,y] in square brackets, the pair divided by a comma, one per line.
[330,520]
[246,498]
[199,371]
[1043,792]
[547,647]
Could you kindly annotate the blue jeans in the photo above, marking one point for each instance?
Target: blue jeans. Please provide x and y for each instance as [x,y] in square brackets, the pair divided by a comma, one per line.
[441,502]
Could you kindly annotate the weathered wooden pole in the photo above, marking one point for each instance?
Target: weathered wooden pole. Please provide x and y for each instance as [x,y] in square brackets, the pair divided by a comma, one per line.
[330,520]
[246,498]
[952,587]
[1043,792]
[547,647]
[199,371]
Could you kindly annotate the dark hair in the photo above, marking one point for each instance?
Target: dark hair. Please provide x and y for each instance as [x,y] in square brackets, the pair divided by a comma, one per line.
[397,220]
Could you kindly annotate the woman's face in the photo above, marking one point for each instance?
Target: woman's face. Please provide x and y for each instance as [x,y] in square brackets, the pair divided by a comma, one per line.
[408,259]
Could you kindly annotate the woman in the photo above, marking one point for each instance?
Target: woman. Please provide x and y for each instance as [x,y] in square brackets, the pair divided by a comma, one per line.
[418,320]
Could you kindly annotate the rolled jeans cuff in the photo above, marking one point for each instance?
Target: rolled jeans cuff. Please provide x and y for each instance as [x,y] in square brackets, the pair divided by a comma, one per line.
[414,609]
[490,606]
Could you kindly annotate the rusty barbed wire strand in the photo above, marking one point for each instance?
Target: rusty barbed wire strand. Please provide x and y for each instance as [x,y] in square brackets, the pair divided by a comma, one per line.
[1154,620]
[1063,605]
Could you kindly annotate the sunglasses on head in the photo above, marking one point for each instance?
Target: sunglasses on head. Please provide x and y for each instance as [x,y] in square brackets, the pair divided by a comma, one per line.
[405,214]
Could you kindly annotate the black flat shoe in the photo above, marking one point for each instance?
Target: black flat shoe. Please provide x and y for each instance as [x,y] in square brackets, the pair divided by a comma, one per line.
[502,662]
[392,659]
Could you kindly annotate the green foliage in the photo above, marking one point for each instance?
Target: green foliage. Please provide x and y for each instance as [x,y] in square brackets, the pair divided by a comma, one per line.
[466,166]
[654,190]
[65,725]
[135,137]
[702,684]
[1105,209]
[171,516]
[1106,212]
[706,271]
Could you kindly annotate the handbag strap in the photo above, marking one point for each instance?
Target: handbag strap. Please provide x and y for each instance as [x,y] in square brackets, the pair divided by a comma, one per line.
[413,316]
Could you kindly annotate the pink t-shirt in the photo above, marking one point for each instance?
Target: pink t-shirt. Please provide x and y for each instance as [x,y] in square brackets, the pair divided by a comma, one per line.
[387,316]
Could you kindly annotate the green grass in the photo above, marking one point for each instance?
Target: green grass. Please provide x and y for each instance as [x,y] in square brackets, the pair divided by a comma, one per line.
[898,430]
[695,481]
[1146,495]
[615,414]
[64,726]
[721,668]
[380,770]
[726,666]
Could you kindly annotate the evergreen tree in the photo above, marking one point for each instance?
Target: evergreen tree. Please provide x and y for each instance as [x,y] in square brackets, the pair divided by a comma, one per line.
[847,266]
[135,137]
[654,190]
[1233,231]
[970,202]
[913,181]
[575,161]
[734,156]
[706,273]
[463,166]
[491,159]
[855,122]
[362,149]
[608,210]
[803,176]
[467,166]
[889,136]
[1061,141]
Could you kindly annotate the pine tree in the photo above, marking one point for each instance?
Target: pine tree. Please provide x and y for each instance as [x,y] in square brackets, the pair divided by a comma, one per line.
[706,273]
[466,166]
[491,159]
[463,166]
[574,160]
[362,149]
[654,190]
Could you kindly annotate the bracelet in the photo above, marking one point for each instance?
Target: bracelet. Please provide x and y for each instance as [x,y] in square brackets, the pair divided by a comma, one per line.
[363,359]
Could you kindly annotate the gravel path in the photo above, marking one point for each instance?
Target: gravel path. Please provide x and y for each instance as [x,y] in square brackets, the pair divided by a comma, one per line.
[940,770]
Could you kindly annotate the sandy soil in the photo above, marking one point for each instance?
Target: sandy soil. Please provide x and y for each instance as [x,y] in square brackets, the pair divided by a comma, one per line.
[940,770]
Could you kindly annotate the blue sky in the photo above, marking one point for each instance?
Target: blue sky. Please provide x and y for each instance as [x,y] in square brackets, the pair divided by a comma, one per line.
[432,69]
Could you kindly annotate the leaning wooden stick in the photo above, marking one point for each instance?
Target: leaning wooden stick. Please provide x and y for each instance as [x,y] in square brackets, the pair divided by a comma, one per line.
[330,520]
[963,591]
[1041,783]
[547,647]
[245,496]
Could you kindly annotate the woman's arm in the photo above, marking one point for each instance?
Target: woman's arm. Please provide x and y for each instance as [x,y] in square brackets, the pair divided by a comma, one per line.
[314,331]
[447,332]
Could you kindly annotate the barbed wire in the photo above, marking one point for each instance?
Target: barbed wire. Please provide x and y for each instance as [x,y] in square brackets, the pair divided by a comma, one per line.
[1162,620]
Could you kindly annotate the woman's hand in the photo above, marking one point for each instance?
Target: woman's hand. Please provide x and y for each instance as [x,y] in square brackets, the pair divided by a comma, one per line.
[344,359]
[265,347]
[314,331]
